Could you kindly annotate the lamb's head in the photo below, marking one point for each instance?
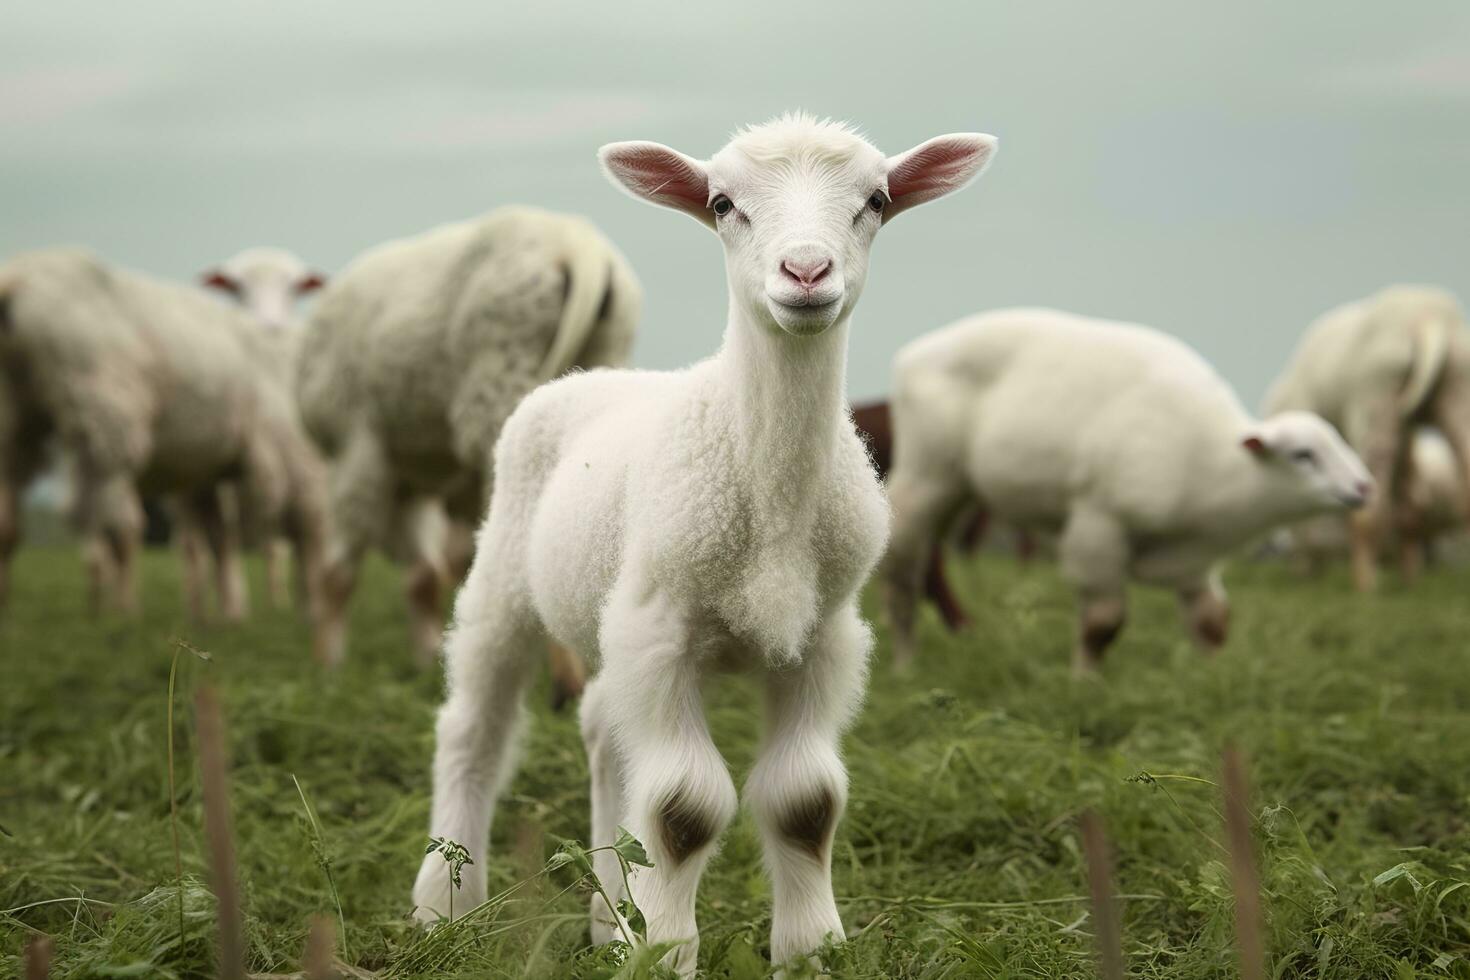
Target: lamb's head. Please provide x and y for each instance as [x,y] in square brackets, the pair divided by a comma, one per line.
[1313,469]
[796,203]
[267,282]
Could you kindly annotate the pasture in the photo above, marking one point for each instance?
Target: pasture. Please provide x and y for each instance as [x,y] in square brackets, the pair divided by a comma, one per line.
[959,855]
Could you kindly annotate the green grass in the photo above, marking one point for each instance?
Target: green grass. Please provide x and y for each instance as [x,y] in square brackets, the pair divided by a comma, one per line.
[959,855]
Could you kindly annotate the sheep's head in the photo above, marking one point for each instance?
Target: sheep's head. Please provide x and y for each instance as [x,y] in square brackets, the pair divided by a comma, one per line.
[796,203]
[267,282]
[1317,468]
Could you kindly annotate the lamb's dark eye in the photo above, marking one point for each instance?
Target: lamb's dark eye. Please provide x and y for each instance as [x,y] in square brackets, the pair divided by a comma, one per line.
[877,202]
[722,205]
[1304,456]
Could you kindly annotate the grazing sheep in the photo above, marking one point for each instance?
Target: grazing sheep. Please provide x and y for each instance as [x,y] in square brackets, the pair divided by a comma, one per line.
[1376,369]
[147,387]
[416,354]
[1117,438]
[682,523]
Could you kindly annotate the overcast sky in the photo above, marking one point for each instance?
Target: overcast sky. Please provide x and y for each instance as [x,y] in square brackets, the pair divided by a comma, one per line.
[1224,172]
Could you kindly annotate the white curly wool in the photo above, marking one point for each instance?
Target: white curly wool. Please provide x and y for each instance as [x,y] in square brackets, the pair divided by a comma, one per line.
[1376,369]
[147,386]
[680,523]
[414,357]
[1118,439]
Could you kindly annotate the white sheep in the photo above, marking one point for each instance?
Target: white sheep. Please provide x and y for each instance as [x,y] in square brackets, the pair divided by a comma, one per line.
[1118,439]
[268,282]
[1377,368]
[678,524]
[151,387]
[416,354]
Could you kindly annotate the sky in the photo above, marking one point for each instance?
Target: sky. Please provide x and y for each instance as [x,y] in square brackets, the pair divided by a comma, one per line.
[1223,172]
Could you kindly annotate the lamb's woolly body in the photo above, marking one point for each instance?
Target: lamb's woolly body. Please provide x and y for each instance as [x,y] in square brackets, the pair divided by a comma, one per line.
[680,523]
[150,387]
[417,353]
[1376,368]
[1117,438]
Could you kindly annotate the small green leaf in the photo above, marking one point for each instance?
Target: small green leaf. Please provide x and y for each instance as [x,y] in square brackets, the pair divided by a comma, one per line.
[576,855]
[634,917]
[631,848]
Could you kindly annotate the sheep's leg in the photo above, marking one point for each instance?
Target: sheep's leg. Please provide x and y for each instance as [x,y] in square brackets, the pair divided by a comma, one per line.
[1452,416]
[607,808]
[189,539]
[423,586]
[568,675]
[1206,612]
[798,787]
[1376,430]
[679,794]
[360,499]
[1094,555]
[278,572]
[489,655]
[221,532]
[118,537]
[9,532]
[922,505]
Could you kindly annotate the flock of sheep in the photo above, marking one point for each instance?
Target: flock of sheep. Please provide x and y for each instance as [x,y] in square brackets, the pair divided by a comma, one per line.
[670,525]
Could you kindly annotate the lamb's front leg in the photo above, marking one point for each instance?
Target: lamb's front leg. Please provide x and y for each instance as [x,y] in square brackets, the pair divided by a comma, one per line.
[677,791]
[798,788]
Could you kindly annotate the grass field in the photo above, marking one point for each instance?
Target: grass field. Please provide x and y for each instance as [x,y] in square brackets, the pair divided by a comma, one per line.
[959,855]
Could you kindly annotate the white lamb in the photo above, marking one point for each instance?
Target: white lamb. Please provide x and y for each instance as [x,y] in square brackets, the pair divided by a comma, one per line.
[413,359]
[1117,438]
[150,387]
[682,523]
[1376,369]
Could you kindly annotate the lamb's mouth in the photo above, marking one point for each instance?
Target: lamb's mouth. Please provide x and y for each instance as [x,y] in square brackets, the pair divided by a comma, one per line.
[807,306]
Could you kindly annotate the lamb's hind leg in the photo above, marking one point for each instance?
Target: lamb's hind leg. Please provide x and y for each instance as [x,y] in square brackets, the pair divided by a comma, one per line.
[799,786]
[679,794]
[1206,612]
[488,655]
[607,806]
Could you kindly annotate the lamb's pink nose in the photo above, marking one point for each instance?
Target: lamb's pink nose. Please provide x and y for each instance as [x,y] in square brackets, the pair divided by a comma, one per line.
[808,272]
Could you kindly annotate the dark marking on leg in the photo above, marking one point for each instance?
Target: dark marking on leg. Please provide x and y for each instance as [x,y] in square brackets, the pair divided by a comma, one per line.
[809,823]
[685,827]
[1097,636]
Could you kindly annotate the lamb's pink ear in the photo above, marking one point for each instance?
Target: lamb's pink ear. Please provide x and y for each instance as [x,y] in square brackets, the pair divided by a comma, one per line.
[1256,444]
[658,174]
[935,168]
[216,279]
[310,283]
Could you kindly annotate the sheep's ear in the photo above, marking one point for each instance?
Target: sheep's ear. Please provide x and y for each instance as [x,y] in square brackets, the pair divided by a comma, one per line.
[217,279]
[659,175]
[935,168]
[1256,444]
[310,283]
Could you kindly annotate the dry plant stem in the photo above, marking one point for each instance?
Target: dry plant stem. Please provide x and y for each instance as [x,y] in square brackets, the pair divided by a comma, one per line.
[214,773]
[173,796]
[1105,917]
[1243,869]
[319,942]
[38,958]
